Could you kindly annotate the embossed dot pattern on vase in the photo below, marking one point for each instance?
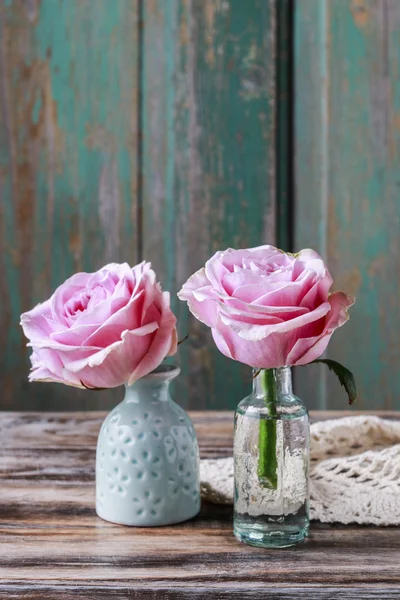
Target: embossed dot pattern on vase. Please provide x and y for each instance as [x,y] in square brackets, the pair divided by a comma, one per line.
[147,463]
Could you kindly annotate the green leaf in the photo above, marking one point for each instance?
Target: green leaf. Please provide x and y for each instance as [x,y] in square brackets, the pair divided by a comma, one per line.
[345,377]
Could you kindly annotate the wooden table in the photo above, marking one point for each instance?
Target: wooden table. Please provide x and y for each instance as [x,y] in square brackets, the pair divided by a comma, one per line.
[52,545]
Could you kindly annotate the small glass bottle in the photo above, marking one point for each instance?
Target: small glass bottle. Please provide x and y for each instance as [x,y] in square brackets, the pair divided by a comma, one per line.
[271,455]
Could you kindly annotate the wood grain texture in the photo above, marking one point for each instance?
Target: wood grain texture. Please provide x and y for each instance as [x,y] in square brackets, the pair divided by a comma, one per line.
[53,545]
[131,129]
[208,159]
[68,173]
[226,591]
[347,183]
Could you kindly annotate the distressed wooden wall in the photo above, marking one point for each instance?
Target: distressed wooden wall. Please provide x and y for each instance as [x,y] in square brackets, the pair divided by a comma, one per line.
[130,129]
[347,148]
[208,158]
[168,129]
[68,163]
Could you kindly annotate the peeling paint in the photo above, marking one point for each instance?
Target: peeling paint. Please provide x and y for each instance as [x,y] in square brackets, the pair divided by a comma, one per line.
[359,235]
[349,281]
[183,31]
[377,266]
[396,121]
[31,8]
[210,171]
[209,13]
[68,196]
[109,209]
[71,160]
[360,12]
[98,137]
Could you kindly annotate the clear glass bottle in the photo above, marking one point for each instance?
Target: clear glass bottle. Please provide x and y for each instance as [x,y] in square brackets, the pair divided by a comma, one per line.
[271,455]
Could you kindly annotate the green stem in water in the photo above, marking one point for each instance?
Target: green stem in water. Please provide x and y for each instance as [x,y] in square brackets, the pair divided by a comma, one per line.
[267,460]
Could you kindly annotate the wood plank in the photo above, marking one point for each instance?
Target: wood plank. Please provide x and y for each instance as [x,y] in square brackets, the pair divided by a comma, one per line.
[208,159]
[195,556]
[79,430]
[68,173]
[217,592]
[347,154]
[53,545]
[65,431]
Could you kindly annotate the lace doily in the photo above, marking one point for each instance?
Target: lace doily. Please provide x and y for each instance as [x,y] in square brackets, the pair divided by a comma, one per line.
[354,472]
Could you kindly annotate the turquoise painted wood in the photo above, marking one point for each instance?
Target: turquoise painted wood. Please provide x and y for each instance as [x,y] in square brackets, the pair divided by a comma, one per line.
[209,177]
[68,164]
[130,129]
[347,148]
[162,129]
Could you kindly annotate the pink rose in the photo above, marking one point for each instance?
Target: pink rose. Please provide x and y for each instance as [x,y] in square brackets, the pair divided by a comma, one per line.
[103,329]
[266,308]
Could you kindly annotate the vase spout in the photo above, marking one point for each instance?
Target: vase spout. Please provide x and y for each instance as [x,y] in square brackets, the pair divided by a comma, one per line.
[153,387]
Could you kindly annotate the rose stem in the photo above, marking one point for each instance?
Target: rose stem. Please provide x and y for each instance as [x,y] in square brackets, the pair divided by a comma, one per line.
[267,460]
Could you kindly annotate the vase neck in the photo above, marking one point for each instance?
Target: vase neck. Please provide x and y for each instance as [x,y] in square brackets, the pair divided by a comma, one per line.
[272,383]
[154,387]
[142,391]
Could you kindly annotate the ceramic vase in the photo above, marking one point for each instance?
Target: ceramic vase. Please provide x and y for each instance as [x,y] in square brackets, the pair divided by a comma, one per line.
[147,461]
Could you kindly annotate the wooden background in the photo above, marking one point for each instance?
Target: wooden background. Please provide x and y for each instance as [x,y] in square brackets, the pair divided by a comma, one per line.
[168,129]
[347,204]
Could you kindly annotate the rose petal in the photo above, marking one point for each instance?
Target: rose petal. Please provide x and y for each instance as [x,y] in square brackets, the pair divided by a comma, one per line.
[317,294]
[96,359]
[215,270]
[46,366]
[123,318]
[222,342]
[305,350]
[43,375]
[135,355]
[237,306]
[72,336]
[174,343]
[195,282]
[268,353]
[163,344]
[64,292]
[284,294]
[201,304]
[261,302]
[255,332]
[246,316]
[35,323]
[102,329]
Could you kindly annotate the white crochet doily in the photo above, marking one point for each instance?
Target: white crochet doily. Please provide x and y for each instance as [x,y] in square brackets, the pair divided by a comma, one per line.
[354,472]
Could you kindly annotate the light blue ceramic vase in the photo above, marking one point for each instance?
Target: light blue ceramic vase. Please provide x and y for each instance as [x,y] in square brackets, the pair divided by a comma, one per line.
[147,462]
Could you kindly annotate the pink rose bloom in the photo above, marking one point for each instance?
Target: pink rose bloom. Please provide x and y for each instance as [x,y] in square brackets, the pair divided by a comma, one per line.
[266,308]
[103,329]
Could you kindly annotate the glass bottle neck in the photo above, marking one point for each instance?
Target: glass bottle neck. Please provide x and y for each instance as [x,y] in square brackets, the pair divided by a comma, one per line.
[272,383]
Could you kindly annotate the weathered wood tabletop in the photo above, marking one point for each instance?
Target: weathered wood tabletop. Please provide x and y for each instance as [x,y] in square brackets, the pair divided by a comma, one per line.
[52,544]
